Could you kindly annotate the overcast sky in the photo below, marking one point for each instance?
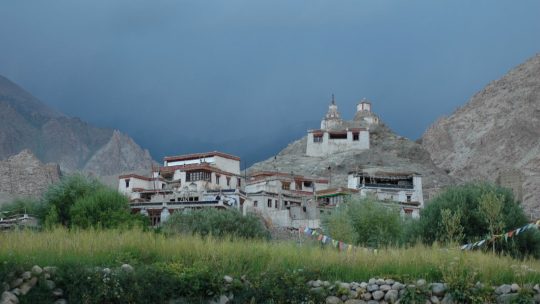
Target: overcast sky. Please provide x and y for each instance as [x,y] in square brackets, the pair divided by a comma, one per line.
[249,76]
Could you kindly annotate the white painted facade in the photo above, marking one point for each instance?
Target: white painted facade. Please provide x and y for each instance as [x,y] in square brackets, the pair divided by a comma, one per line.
[404,189]
[186,181]
[322,142]
[336,135]
[284,200]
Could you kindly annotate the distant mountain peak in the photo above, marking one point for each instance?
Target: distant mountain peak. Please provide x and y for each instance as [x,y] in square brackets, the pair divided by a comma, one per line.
[26,124]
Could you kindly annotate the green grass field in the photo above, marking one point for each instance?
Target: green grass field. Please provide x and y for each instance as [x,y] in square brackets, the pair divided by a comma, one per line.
[238,257]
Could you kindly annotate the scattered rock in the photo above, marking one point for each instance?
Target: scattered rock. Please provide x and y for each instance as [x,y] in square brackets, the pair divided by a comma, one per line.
[503,289]
[127,268]
[58,292]
[9,298]
[36,270]
[344,285]
[385,287]
[438,289]
[354,301]
[421,283]
[223,299]
[367,296]
[25,288]
[60,301]
[391,296]
[333,300]
[515,287]
[434,300]
[26,275]
[50,270]
[228,279]
[372,287]
[377,295]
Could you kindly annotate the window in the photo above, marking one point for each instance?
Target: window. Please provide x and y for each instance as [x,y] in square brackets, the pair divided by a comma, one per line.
[304,209]
[238,182]
[340,135]
[197,176]
[408,198]
[255,203]
[269,203]
[285,185]
[355,136]
[228,181]
[162,186]
[275,204]
[317,138]
[308,184]
[217,179]
[127,183]
[408,212]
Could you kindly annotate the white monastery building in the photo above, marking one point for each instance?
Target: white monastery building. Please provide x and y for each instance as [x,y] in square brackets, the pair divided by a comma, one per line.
[336,135]
[199,180]
[401,188]
[285,200]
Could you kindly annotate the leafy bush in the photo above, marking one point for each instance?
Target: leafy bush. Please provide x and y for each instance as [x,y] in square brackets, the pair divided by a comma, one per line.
[475,223]
[216,223]
[105,208]
[366,222]
[81,202]
[63,195]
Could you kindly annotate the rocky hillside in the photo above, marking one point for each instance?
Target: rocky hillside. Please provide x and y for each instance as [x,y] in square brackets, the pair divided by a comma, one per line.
[388,151]
[27,123]
[496,135]
[24,175]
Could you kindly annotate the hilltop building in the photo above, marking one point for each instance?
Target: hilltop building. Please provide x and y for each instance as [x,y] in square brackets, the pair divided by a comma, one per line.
[401,188]
[285,200]
[336,134]
[199,180]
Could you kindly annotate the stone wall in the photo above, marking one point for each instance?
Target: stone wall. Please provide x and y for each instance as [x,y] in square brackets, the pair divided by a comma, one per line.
[24,175]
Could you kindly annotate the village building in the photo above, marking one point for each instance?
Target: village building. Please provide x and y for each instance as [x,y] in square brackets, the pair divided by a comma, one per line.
[403,189]
[284,200]
[330,198]
[337,135]
[201,180]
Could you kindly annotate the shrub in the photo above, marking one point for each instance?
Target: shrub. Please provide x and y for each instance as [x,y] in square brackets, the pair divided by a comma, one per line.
[105,208]
[217,223]
[366,222]
[64,194]
[475,223]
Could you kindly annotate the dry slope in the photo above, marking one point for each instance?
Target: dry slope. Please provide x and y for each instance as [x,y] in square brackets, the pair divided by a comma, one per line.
[496,135]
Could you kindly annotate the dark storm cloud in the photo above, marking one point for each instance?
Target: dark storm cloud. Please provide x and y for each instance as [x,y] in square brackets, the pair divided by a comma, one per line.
[249,76]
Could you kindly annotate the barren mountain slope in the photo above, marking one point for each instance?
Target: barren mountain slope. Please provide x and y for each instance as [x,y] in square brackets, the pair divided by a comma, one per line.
[496,132]
[26,123]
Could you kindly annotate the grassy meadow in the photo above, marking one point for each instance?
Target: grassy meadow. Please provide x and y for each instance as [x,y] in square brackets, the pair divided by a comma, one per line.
[112,248]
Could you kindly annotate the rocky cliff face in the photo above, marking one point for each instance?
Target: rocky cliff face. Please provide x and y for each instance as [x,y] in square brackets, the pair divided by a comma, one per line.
[26,123]
[24,175]
[496,135]
[388,151]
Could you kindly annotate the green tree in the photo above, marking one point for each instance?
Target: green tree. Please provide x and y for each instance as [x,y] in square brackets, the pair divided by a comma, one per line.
[105,208]
[365,222]
[491,205]
[475,225]
[451,229]
[63,195]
